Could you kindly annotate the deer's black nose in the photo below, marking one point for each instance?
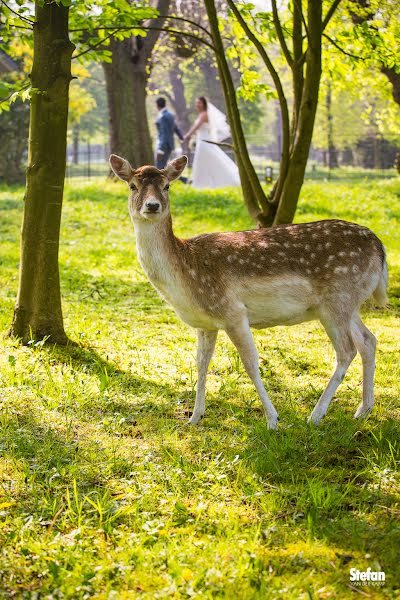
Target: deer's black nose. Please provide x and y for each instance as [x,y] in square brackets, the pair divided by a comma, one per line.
[152,206]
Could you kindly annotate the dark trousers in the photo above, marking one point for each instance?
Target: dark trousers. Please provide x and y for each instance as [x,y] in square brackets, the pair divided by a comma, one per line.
[161,162]
[162,159]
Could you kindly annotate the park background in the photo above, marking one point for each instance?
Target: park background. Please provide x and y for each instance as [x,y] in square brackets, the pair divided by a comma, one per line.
[105,492]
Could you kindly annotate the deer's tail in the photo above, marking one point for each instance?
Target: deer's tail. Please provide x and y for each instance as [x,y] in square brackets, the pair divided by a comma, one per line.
[380,293]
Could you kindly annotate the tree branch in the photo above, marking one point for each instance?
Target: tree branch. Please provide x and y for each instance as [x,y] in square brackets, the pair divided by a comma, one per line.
[184,20]
[281,37]
[166,29]
[330,13]
[275,77]
[18,15]
[152,37]
[93,46]
[299,8]
[341,49]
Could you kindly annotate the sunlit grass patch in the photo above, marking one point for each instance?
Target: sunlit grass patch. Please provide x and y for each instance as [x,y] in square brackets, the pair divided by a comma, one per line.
[106,493]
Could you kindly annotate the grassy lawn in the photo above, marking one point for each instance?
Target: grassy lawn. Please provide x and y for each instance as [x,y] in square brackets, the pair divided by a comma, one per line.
[105,493]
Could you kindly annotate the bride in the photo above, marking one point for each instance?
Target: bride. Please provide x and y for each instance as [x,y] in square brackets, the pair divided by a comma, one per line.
[212,168]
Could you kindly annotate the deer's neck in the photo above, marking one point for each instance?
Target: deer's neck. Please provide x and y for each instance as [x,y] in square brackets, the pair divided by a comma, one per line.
[158,252]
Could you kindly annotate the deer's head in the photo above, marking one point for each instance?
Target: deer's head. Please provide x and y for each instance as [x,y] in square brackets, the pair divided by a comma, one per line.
[148,199]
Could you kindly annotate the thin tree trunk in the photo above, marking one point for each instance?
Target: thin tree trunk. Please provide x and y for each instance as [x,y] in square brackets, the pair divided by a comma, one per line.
[302,142]
[332,152]
[253,193]
[38,311]
[75,146]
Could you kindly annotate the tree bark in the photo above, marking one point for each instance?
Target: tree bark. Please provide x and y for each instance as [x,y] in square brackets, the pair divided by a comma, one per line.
[38,312]
[253,193]
[213,84]
[306,119]
[178,99]
[332,152]
[126,83]
[75,145]
[394,79]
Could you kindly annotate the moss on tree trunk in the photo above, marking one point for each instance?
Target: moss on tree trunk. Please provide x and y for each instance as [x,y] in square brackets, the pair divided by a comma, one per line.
[38,311]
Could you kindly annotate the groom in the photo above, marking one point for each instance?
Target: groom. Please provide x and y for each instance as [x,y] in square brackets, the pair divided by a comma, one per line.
[166,127]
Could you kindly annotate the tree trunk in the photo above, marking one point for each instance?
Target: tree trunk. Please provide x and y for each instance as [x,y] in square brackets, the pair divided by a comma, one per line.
[394,79]
[306,119]
[126,82]
[332,153]
[179,100]
[38,311]
[253,193]
[75,145]
[213,84]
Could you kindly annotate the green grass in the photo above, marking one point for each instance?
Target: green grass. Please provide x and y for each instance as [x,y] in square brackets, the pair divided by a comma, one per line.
[105,493]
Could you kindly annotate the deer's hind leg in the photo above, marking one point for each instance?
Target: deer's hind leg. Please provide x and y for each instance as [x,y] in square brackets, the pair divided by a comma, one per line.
[341,337]
[366,345]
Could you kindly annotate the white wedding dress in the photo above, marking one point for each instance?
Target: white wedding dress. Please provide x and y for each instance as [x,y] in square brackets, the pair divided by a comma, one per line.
[212,168]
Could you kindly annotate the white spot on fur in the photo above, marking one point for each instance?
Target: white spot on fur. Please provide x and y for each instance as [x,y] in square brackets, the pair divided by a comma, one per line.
[192,273]
[355,269]
[341,269]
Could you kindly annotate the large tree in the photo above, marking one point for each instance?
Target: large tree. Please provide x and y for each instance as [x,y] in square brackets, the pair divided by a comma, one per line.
[38,312]
[127,77]
[302,54]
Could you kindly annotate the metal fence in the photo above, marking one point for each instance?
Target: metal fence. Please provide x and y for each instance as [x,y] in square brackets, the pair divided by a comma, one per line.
[371,159]
[87,161]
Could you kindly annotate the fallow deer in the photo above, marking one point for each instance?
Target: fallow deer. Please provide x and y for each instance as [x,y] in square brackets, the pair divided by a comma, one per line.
[259,278]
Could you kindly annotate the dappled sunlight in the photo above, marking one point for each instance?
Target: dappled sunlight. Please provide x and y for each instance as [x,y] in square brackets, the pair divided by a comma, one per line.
[100,469]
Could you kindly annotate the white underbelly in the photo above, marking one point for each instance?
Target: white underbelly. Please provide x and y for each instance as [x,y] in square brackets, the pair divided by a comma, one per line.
[281,301]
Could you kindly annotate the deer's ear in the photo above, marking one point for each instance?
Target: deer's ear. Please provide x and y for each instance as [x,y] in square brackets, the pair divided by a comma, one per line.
[175,167]
[121,167]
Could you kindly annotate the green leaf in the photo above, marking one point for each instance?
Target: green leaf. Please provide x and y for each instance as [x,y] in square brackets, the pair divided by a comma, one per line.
[4,90]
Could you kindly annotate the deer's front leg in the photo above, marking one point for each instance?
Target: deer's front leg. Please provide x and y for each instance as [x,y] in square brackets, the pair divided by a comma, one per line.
[241,336]
[205,349]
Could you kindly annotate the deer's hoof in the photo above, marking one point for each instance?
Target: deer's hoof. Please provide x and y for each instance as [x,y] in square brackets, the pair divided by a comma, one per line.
[362,411]
[315,419]
[273,422]
[194,419]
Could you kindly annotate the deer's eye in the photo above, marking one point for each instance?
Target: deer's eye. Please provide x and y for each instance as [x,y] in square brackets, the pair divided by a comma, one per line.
[133,187]
[166,187]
